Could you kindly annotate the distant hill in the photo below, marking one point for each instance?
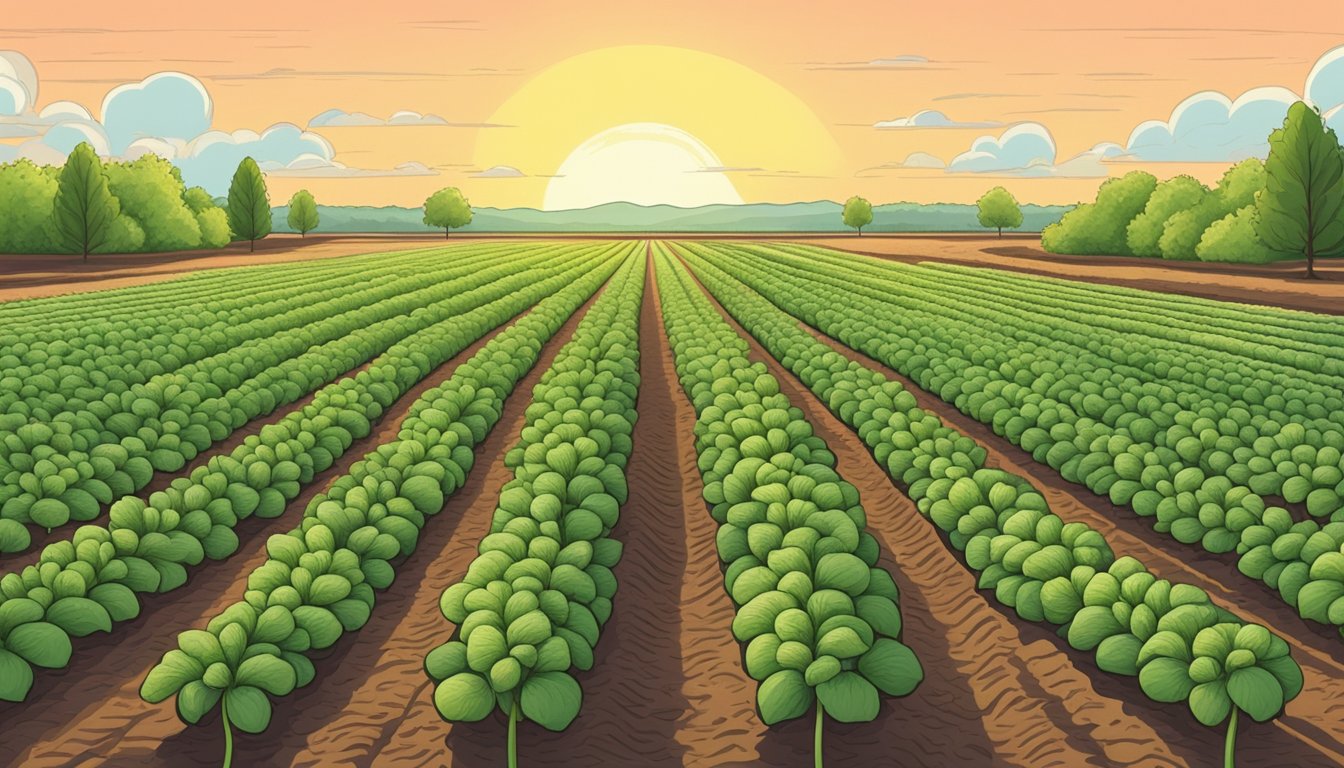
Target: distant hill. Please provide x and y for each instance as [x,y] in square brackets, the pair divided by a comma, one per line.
[821,216]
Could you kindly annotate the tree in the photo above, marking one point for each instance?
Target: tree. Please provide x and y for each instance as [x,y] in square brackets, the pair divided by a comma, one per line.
[1169,198]
[302,212]
[998,208]
[858,213]
[26,223]
[1100,228]
[1233,239]
[1300,209]
[249,204]
[447,208]
[150,190]
[84,208]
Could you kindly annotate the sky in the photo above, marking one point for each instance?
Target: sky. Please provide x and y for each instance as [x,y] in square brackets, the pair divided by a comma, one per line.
[563,105]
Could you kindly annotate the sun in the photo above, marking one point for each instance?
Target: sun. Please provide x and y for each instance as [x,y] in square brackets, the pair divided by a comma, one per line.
[642,163]
[705,105]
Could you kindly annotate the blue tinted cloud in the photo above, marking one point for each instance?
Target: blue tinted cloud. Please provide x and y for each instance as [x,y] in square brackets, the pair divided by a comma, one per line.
[1209,127]
[930,118]
[1021,146]
[169,105]
[210,160]
[1325,82]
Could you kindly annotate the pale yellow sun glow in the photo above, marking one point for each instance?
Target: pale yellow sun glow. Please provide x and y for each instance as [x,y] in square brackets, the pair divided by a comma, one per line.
[748,120]
[642,163]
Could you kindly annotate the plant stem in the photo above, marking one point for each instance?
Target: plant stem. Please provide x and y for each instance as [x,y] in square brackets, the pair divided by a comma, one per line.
[1230,745]
[228,732]
[816,736]
[513,734]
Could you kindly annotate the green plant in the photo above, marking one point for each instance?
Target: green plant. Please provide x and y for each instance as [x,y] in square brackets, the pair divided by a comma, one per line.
[1302,207]
[998,208]
[448,209]
[302,216]
[249,207]
[84,209]
[858,213]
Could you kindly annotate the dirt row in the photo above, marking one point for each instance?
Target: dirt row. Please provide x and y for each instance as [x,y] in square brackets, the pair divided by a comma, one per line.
[92,711]
[1040,702]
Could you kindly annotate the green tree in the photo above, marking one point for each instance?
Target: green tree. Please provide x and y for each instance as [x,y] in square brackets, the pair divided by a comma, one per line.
[1300,209]
[858,213]
[1233,239]
[84,208]
[1234,191]
[249,204]
[998,208]
[448,209]
[214,223]
[26,223]
[1099,228]
[302,212]
[1169,198]
[150,190]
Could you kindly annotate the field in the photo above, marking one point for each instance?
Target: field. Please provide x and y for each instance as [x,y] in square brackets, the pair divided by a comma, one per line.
[671,502]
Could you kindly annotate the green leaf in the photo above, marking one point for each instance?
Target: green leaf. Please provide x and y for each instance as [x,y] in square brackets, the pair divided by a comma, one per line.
[248,708]
[551,700]
[175,670]
[269,673]
[892,667]
[464,698]
[1256,692]
[783,696]
[43,644]
[196,699]
[1166,680]
[1210,703]
[16,677]
[79,616]
[849,698]
[119,601]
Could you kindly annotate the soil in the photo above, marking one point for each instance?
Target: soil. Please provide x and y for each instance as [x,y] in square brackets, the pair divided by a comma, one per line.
[1062,700]
[1280,284]
[91,712]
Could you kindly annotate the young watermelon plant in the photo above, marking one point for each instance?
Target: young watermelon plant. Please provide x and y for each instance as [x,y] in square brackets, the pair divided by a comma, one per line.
[1181,646]
[534,600]
[319,580]
[819,619]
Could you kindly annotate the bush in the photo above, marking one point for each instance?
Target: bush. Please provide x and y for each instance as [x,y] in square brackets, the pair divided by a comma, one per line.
[1233,239]
[1169,198]
[214,224]
[1100,228]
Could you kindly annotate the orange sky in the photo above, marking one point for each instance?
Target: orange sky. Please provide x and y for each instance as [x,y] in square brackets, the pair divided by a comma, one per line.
[1088,72]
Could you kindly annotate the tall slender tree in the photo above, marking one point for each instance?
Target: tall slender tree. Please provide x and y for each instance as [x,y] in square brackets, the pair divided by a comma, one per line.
[303,216]
[1301,209]
[84,208]
[249,206]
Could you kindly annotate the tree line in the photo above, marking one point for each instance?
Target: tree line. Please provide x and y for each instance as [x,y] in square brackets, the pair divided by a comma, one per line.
[1291,205]
[996,209]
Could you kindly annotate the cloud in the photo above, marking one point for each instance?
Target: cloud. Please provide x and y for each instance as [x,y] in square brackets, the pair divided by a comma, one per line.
[903,61]
[210,159]
[169,105]
[922,160]
[1017,148]
[18,83]
[312,166]
[929,118]
[1325,82]
[729,169]
[499,172]
[1209,127]
[337,118]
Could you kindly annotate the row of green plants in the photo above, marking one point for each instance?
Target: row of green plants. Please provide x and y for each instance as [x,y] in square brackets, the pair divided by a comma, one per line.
[1181,647]
[533,602]
[61,355]
[91,581]
[1199,463]
[1289,206]
[819,618]
[65,470]
[320,579]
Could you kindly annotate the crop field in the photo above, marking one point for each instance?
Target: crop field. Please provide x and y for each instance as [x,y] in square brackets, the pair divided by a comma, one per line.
[664,503]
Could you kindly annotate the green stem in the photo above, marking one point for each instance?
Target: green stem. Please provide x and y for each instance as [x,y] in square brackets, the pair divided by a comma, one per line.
[513,734]
[1230,745]
[816,736]
[228,733]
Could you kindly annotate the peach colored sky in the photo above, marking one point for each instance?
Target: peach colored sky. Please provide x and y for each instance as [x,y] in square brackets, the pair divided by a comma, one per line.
[1088,73]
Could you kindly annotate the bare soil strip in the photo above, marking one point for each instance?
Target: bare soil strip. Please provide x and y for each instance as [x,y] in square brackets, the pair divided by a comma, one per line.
[1039,701]
[92,711]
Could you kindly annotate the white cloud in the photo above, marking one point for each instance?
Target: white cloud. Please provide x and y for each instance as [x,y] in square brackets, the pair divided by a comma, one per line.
[930,118]
[170,105]
[313,166]
[1209,127]
[407,117]
[339,118]
[499,172]
[1325,82]
[18,83]
[922,160]
[1018,148]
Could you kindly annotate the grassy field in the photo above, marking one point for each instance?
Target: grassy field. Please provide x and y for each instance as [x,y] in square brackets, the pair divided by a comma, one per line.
[889,500]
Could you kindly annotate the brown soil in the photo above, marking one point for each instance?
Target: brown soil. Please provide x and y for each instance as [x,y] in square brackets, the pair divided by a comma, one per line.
[1276,285]
[1041,702]
[92,711]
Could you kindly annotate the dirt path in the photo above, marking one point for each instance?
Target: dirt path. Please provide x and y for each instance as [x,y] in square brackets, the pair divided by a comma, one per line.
[1039,701]
[1275,285]
[92,709]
